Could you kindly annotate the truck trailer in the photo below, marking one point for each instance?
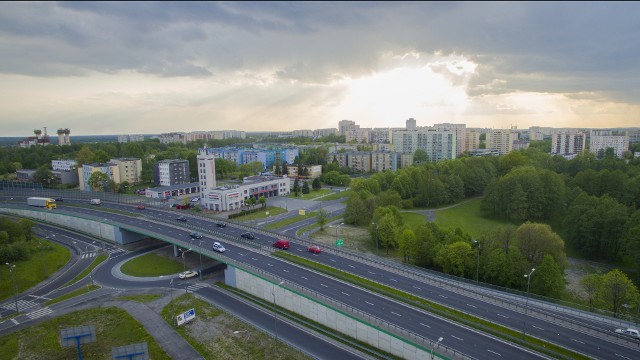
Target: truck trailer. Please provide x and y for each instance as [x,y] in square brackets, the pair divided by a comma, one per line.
[42,202]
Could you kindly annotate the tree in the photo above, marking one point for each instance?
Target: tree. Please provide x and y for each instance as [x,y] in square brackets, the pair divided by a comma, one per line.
[84,156]
[387,232]
[316,184]
[548,279]
[420,156]
[407,244]
[305,187]
[322,217]
[27,228]
[591,283]
[98,181]
[537,240]
[263,201]
[296,187]
[615,291]
[355,212]
[43,176]
[251,201]
[455,258]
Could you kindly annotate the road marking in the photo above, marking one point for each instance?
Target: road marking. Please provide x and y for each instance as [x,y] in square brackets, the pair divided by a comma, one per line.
[372,273]
[493,352]
[369,303]
[537,327]
[351,266]
[415,287]
[269,264]
[506,317]
[443,296]
[285,270]
[304,278]
[455,337]
[345,293]
[395,314]
[332,260]
[425,325]
[40,297]
[578,341]
[324,285]
[473,306]
[254,259]
[616,354]
[17,323]
[394,280]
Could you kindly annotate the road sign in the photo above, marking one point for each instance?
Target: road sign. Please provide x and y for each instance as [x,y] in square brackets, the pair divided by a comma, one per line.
[186,316]
[339,242]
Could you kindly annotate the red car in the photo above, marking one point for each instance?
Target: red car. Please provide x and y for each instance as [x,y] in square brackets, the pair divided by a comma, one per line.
[314,249]
[140,207]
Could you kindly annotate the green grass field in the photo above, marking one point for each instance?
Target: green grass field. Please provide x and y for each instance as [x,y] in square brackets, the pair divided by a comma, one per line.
[271,210]
[31,272]
[114,327]
[467,217]
[335,196]
[151,265]
[291,220]
[311,195]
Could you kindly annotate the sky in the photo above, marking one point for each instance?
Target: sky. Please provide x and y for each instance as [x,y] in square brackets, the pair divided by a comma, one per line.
[102,68]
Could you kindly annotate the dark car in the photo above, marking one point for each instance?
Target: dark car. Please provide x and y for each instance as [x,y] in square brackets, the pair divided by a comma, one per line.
[221,225]
[59,199]
[182,218]
[248,235]
[195,235]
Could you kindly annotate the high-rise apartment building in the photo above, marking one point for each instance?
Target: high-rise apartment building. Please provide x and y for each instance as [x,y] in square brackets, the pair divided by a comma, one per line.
[172,172]
[84,173]
[568,142]
[501,140]
[130,169]
[604,139]
[460,132]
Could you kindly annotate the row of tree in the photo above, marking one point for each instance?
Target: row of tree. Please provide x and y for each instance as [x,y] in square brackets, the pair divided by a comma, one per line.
[14,236]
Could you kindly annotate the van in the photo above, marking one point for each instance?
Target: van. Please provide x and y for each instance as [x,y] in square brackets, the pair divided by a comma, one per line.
[95,201]
[281,244]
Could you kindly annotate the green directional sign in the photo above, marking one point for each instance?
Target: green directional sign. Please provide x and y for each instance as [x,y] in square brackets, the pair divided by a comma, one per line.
[339,242]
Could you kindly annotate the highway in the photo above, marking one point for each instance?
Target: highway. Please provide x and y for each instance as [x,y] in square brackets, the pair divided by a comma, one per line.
[592,343]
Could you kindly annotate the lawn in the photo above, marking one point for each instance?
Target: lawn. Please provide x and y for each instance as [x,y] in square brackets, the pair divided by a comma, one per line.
[314,194]
[114,327]
[467,216]
[31,272]
[413,220]
[151,265]
[269,211]
[335,196]
[291,220]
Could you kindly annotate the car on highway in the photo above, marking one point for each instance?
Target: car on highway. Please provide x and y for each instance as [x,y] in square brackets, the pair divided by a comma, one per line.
[314,249]
[140,207]
[182,219]
[195,199]
[629,332]
[221,225]
[248,235]
[195,235]
[187,274]
[218,247]
[59,199]
[282,244]
[182,207]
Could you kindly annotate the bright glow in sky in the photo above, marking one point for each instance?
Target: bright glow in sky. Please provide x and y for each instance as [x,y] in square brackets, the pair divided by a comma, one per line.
[145,67]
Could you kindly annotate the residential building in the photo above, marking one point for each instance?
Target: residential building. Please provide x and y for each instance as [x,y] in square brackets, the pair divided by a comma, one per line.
[472,139]
[501,140]
[206,169]
[520,145]
[267,157]
[324,132]
[405,159]
[313,171]
[383,160]
[359,161]
[603,139]
[302,133]
[130,169]
[438,144]
[130,138]
[346,125]
[64,165]
[170,138]
[380,136]
[568,142]
[172,172]
[84,173]
[460,132]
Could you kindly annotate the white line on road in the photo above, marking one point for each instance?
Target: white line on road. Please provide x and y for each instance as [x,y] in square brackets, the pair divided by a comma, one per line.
[415,287]
[332,260]
[324,285]
[369,303]
[616,354]
[425,325]
[394,280]
[473,306]
[285,270]
[396,314]
[304,278]
[345,293]
[269,264]
[351,266]
[254,259]
[493,352]
[578,341]
[372,273]
[443,296]
[537,327]
[17,323]
[455,337]
[40,297]
[506,317]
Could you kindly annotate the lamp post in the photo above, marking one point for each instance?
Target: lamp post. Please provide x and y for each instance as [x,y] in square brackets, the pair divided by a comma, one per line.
[182,252]
[478,261]
[172,313]
[200,244]
[245,340]
[434,345]
[377,244]
[13,283]
[338,227]
[526,306]
[275,313]
[44,267]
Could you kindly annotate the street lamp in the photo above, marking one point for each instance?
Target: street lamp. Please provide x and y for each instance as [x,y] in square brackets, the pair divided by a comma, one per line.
[172,313]
[338,227]
[13,283]
[434,345]
[245,339]
[377,245]
[275,313]
[200,244]
[526,306]
[182,252]
[478,262]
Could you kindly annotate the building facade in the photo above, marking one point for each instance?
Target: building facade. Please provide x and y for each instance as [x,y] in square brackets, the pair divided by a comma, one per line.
[130,169]
[568,143]
[84,173]
[172,172]
[501,140]
[64,165]
[604,139]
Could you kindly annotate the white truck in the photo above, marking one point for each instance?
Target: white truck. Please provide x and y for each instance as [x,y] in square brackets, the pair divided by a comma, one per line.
[42,202]
[95,201]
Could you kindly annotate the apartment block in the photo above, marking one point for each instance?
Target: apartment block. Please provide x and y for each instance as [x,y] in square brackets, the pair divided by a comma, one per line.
[460,132]
[130,169]
[172,172]
[501,140]
[84,173]
[384,160]
[604,139]
[568,143]
[472,139]
[130,138]
[63,165]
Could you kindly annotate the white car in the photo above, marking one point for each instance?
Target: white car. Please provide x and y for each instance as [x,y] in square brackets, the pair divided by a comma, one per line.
[187,274]
[195,199]
[629,332]
[218,247]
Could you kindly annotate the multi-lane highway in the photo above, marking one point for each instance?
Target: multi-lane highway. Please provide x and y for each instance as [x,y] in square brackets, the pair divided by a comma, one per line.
[598,344]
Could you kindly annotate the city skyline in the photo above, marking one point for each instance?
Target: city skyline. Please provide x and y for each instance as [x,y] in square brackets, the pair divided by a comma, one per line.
[137,68]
